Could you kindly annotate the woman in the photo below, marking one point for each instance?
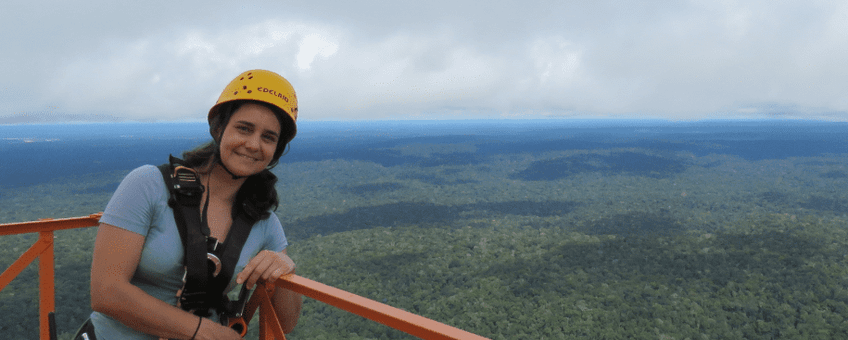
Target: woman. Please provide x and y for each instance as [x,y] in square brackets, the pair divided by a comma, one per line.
[138,267]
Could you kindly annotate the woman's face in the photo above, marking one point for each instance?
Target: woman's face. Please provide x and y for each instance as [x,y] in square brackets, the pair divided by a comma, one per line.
[250,139]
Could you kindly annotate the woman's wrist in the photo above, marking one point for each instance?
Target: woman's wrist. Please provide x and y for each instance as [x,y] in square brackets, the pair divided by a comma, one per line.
[199,322]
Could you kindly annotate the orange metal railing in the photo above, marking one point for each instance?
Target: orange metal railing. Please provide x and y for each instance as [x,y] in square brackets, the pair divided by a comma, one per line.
[43,251]
[269,324]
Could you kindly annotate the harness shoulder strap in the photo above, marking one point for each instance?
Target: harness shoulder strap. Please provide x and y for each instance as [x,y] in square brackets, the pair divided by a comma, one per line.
[185,194]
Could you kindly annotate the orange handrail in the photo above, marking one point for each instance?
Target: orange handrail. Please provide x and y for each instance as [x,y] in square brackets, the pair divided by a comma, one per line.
[269,325]
[50,224]
[390,316]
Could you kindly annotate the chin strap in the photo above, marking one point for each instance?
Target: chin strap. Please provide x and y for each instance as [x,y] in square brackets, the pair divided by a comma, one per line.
[228,170]
[221,163]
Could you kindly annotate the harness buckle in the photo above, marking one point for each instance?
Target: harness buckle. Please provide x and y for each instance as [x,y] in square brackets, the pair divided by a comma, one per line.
[214,264]
[187,182]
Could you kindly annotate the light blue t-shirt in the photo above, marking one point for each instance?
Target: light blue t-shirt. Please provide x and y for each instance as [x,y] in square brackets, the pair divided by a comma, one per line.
[140,205]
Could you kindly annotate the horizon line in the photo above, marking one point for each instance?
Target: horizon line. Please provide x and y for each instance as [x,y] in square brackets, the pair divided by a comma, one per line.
[442,119]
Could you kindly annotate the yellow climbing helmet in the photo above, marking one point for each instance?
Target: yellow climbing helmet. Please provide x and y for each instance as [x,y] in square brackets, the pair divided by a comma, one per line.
[261,85]
[264,86]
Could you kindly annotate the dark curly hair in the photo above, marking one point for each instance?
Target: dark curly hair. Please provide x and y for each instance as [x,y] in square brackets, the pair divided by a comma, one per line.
[258,195]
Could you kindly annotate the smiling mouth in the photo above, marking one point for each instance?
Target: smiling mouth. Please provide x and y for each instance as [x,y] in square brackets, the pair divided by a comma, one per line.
[247,157]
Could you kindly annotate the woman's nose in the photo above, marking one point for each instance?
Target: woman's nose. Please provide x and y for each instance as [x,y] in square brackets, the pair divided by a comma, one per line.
[253,142]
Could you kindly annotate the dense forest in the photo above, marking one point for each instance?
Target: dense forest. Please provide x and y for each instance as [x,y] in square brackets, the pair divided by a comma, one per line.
[777,277]
[649,240]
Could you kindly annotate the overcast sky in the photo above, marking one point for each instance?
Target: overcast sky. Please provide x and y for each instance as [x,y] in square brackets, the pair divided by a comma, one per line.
[169,60]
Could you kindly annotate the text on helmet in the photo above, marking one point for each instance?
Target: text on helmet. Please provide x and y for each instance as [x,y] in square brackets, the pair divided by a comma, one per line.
[273,93]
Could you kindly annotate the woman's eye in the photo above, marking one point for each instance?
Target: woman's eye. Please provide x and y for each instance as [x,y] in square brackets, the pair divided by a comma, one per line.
[243,128]
[270,138]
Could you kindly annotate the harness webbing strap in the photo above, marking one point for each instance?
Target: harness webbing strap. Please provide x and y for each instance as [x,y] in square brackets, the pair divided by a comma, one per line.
[236,237]
[202,291]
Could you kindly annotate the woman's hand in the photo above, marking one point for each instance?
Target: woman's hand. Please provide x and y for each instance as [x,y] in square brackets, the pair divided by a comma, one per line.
[266,265]
[210,330]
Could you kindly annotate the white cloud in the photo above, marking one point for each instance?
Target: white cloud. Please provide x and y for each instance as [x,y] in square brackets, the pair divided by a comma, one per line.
[402,74]
[181,74]
[312,46]
[373,59]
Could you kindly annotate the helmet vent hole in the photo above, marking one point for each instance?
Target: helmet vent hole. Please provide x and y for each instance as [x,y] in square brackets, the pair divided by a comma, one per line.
[244,87]
[249,91]
[235,93]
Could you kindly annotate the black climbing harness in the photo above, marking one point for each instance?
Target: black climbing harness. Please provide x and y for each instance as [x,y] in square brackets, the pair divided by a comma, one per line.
[209,264]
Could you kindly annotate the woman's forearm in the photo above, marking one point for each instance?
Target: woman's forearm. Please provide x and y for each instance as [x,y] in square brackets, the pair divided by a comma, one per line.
[116,256]
[138,310]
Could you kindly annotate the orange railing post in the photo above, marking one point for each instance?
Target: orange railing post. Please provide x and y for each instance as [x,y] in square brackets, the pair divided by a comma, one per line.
[46,285]
[269,322]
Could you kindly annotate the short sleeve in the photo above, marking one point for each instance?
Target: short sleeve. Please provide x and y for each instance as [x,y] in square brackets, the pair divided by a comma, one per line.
[132,206]
[275,238]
